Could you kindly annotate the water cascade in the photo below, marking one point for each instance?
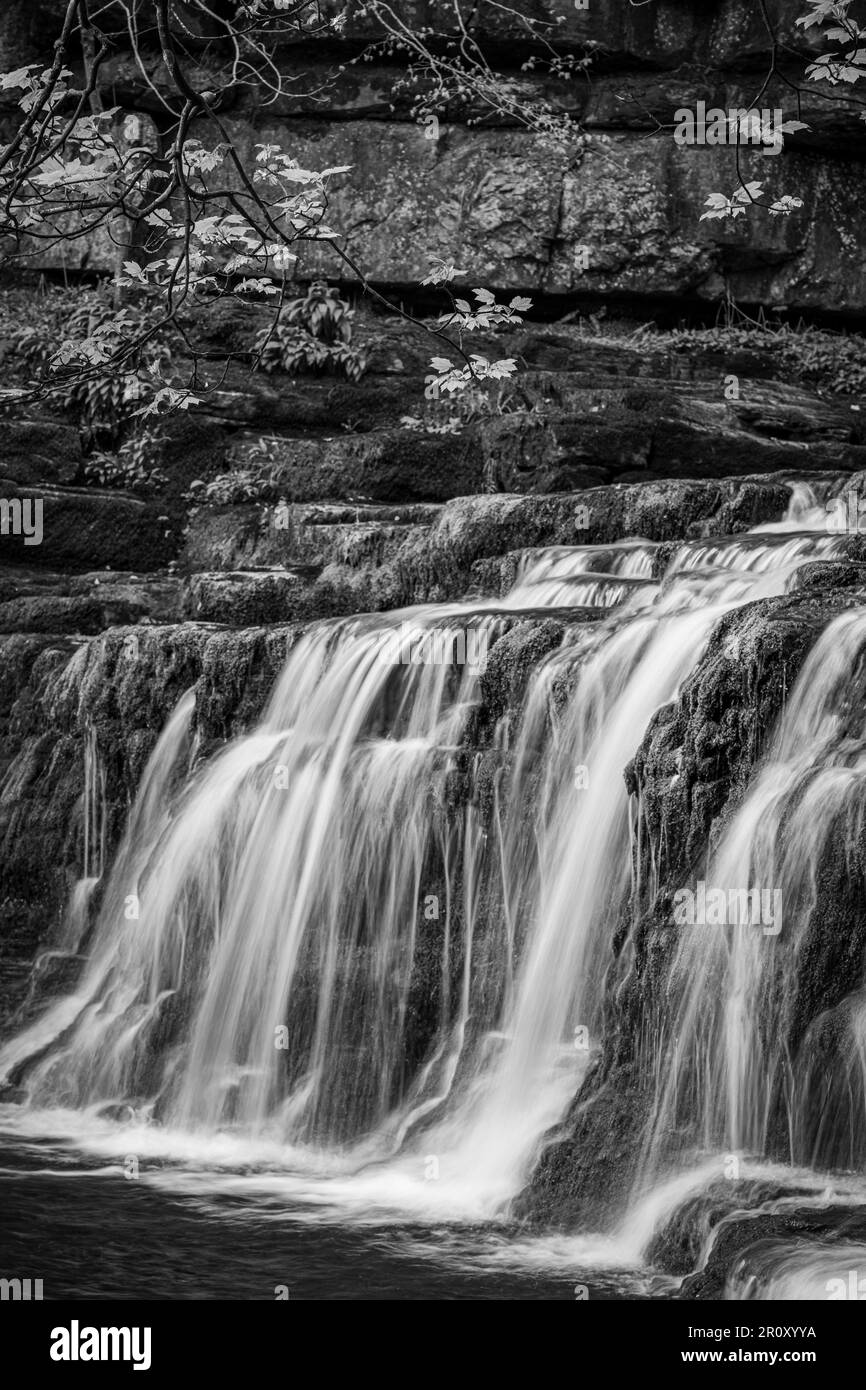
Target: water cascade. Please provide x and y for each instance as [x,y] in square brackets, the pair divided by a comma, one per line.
[350,941]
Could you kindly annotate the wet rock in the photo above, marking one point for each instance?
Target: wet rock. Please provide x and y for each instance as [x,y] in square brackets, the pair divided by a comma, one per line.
[586,1169]
[431,554]
[514,657]
[114,597]
[828,574]
[743,1250]
[677,1245]
[726,712]
[475,528]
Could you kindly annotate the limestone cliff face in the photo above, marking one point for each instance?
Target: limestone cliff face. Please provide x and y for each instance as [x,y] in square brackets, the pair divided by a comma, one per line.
[613,212]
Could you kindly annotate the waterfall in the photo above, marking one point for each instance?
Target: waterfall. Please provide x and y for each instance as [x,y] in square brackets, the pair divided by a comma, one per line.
[740,1061]
[351,939]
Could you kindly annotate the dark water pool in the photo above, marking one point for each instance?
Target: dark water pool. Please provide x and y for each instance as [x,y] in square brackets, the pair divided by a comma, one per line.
[92,1235]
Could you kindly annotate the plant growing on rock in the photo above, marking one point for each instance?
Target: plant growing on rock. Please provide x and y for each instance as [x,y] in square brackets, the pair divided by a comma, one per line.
[451,415]
[243,485]
[134,466]
[313,333]
[834,362]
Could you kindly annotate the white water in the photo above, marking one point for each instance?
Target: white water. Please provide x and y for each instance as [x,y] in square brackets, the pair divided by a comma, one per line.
[733,1067]
[289,885]
[776,1271]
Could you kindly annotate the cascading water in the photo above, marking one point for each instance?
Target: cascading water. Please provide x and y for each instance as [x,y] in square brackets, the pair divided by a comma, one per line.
[747,1070]
[349,946]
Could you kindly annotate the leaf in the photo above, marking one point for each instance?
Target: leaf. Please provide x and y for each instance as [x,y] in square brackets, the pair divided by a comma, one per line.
[821,10]
[506,367]
[833,69]
[134,271]
[718,206]
[520,305]
[785,205]
[295,174]
[441,273]
[21,77]
[166,400]
[54,171]
[238,262]
[260,286]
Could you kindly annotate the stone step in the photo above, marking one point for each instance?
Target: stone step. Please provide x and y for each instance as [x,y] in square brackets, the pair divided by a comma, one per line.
[384,560]
[249,563]
[81,529]
[43,602]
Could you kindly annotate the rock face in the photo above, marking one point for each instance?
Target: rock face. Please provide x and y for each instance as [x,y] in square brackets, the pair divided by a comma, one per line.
[513,213]
[613,211]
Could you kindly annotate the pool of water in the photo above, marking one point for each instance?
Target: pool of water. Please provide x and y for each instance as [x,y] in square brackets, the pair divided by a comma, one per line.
[90,1232]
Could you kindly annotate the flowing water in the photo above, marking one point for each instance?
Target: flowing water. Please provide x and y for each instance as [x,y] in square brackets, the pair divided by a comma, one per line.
[344,976]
